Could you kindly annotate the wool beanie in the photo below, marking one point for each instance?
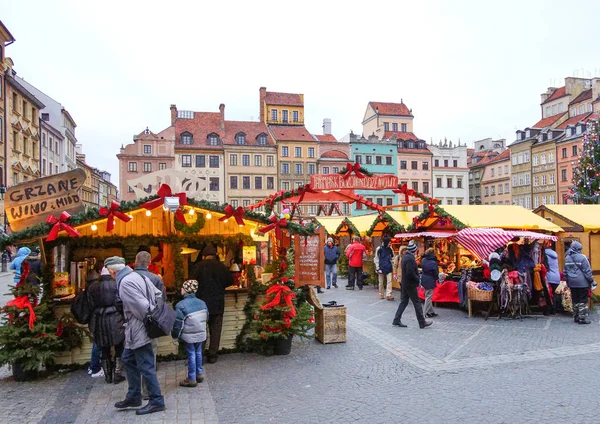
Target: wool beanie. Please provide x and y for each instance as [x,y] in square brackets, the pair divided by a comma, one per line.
[412,247]
[190,286]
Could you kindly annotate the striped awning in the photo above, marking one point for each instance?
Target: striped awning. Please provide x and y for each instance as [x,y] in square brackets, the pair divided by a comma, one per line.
[483,241]
[434,234]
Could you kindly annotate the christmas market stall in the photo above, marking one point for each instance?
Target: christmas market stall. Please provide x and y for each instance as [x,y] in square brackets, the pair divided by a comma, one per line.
[174,228]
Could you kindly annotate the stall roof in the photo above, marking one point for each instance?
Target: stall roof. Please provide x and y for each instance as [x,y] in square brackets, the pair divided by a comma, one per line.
[588,216]
[403,218]
[510,217]
[331,223]
[435,234]
[362,222]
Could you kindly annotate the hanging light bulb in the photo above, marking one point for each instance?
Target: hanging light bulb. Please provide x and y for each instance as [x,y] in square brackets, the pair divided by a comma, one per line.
[208,215]
[94,227]
[148,213]
[165,208]
[130,216]
[192,211]
[225,221]
[114,222]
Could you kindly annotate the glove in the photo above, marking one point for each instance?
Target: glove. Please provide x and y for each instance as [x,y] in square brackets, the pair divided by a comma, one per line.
[594,285]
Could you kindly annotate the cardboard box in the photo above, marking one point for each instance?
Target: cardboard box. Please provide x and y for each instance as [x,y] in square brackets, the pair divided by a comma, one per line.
[330,325]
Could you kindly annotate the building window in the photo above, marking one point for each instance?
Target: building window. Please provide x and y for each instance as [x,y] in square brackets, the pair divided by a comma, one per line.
[574,150]
[132,167]
[436,163]
[544,179]
[257,160]
[403,126]
[425,187]
[245,160]
[246,183]
[526,157]
[402,164]
[449,182]
[336,170]
[552,199]
[311,168]
[459,201]
[213,161]
[147,166]
[325,170]
[298,168]
[455,163]
[285,151]
[378,160]
[415,185]
[200,161]
[536,201]
[147,149]
[500,186]
[130,189]
[438,183]
[493,191]
[486,191]
[258,183]
[285,168]
[506,189]
[445,163]
[162,165]
[270,183]
[414,164]
[212,140]
[536,181]
[552,178]
[261,140]
[311,152]
[186,138]
[285,185]
[386,126]
[544,200]
[543,159]
[284,116]
[273,114]
[459,183]
[246,203]
[298,184]
[295,116]
[214,183]
[298,152]
[233,160]
[233,182]
[186,160]
[425,165]
[270,161]
[368,160]
[394,127]
[564,152]
[527,179]
[449,201]
[234,203]
[492,172]
[388,160]
[563,175]
[380,201]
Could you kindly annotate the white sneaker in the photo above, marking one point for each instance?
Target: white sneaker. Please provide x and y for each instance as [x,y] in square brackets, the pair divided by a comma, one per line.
[99,374]
[89,371]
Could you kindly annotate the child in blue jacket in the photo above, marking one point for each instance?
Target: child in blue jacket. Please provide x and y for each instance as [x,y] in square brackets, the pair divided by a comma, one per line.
[190,327]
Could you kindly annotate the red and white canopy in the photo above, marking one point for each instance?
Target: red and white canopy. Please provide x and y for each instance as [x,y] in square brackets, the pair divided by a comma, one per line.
[483,241]
[434,234]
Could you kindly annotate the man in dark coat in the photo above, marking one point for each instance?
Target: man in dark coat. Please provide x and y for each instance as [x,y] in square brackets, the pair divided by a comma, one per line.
[410,282]
[35,267]
[213,277]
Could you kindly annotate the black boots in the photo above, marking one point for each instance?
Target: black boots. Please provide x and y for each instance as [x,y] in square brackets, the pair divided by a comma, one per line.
[583,317]
[118,377]
[107,367]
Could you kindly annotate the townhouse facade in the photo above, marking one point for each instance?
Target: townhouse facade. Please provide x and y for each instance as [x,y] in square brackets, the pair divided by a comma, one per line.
[450,173]
[97,190]
[477,157]
[495,180]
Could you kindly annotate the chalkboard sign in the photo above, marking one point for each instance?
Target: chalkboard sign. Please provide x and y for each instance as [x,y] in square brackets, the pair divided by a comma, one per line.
[309,259]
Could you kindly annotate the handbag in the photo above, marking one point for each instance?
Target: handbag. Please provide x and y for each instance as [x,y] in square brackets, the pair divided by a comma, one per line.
[80,308]
[160,320]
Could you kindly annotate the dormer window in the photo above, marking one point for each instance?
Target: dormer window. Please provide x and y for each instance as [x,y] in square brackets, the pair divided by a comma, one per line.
[527,134]
[411,144]
[422,145]
[240,138]
[186,138]
[549,135]
[569,132]
[212,139]
[261,140]
[579,129]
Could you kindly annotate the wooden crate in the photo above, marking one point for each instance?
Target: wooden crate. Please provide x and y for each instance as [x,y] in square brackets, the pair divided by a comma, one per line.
[330,325]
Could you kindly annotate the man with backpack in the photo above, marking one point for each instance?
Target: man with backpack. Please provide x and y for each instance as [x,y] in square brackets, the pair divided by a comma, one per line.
[138,296]
[356,254]
[384,261]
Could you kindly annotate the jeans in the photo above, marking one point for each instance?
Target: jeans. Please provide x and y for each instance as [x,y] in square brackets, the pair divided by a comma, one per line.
[215,324]
[95,359]
[330,274]
[141,361]
[355,273]
[382,284]
[428,307]
[410,292]
[194,352]
[579,295]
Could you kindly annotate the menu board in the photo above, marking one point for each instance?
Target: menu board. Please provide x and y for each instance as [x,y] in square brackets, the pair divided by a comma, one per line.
[309,258]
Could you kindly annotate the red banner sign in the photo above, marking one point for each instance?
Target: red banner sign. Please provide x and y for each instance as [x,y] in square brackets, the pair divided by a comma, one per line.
[341,182]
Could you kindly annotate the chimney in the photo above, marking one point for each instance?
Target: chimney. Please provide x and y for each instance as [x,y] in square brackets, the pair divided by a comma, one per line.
[222,112]
[261,108]
[173,114]
[326,126]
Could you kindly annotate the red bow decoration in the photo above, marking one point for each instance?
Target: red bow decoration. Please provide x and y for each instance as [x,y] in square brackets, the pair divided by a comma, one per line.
[276,224]
[112,213]
[60,224]
[24,273]
[303,190]
[431,206]
[22,302]
[403,189]
[353,168]
[165,191]
[278,291]
[272,198]
[236,213]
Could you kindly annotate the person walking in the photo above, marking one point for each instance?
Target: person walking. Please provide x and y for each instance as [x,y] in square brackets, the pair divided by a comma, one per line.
[429,277]
[106,323]
[35,267]
[15,265]
[138,295]
[332,254]
[579,279]
[384,266]
[356,253]
[213,277]
[553,276]
[190,327]
[410,282]
[398,264]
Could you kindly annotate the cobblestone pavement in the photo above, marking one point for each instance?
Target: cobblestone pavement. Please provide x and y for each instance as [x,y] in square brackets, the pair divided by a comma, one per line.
[460,370]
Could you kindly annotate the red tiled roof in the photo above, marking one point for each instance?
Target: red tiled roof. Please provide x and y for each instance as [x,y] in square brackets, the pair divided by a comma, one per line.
[585,95]
[328,138]
[574,120]
[401,135]
[283,99]
[251,129]
[505,155]
[558,93]
[290,133]
[393,109]
[415,151]
[470,152]
[546,122]
[334,154]
[203,124]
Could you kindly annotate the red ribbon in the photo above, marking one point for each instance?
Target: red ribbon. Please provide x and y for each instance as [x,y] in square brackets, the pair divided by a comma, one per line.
[431,206]
[236,213]
[276,224]
[303,190]
[278,291]
[272,198]
[165,191]
[24,273]
[112,213]
[60,224]
[22,302]
[408,192]
[353,168]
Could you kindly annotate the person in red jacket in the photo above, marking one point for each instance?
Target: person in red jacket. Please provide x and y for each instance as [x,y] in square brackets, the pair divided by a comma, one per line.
[355,253]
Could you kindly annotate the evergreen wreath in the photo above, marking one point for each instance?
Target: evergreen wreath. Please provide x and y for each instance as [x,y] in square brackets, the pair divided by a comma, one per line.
[193,228]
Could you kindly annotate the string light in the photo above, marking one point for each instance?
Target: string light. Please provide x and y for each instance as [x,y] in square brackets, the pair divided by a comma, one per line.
[165,208]
[94,227]
[130,216]
[225,221]
[192,211]
[148,213]
[208,215]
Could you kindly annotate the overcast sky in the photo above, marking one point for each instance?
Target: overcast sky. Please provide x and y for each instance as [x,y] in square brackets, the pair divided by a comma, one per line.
[468,69]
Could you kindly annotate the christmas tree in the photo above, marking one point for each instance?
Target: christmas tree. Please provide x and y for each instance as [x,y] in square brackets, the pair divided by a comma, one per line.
[586,172]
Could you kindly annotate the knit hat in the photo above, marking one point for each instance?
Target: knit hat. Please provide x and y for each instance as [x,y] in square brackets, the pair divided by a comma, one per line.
[329,240]
[209,251]
[386,240]
[190,286]
[114,260]
[412,247]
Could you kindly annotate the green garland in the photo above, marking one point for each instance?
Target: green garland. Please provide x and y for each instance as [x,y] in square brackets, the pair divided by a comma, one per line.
[362,170]
[350,225]
[441,213]
[392,229]
[193,228]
